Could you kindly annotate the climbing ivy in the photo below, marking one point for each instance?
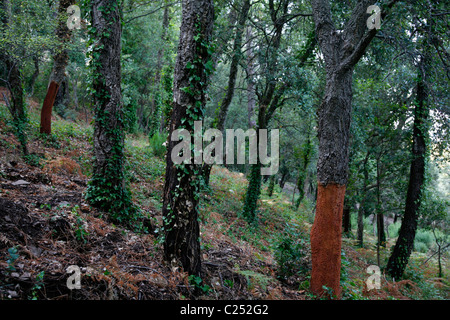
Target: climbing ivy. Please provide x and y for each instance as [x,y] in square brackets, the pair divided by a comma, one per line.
[199,70]
[253,193]
[107,188]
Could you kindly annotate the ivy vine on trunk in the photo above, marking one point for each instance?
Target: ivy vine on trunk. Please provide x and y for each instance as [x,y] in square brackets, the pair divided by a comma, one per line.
[182,184]
[107,188]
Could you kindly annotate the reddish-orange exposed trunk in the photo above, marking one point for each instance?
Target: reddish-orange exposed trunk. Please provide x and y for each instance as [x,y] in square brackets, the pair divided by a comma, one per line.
[326,239]
[46,112]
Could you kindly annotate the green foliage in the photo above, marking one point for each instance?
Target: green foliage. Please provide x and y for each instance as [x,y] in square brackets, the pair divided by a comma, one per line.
[148,55]
[427,290]
[198,284]
[13,256]
[351,287]
[290,252]
[81,233]
[254,278]
[142,165]
[253,192]
[38,285]
[157,144]
[30,29]
[32,159]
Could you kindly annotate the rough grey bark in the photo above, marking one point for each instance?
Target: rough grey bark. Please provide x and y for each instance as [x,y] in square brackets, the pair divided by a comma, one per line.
[180,212]
[341,51]
[107,188]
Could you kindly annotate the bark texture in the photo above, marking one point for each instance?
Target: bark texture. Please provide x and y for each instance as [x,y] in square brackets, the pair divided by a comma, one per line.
[341,52]
[326,238]
[107,186]
[407,233]
[180,212]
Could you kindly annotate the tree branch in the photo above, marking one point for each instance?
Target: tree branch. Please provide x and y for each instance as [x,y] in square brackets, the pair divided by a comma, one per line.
[152,11]
[350,61]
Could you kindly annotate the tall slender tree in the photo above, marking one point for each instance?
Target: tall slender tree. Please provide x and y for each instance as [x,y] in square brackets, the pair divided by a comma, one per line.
[14,82]
[182,183]
[405,242]
[341,50]
[58,87]
[107,188]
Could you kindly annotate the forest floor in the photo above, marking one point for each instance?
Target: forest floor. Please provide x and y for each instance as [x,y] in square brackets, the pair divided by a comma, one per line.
[46,226]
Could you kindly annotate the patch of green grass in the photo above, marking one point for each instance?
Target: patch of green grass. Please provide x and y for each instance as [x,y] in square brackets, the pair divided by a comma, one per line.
[142,164]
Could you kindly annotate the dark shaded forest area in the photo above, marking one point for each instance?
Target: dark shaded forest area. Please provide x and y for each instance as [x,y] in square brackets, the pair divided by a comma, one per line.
[224,150]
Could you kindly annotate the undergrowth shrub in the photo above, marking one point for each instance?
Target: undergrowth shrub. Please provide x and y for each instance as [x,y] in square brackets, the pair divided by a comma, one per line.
[291,252]
[423,241]
[157,144]
[428,290]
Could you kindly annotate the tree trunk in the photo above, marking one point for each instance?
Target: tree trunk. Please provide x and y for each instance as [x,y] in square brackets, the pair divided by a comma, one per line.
[300,187]
[253,192]
[156,115]
[107,189]
[14,83]
[306,158]
[284,176]
[334,125]
[381,235]
[61,58]
[405,242]
[251,100]
[17,109]
[34,76]
[75,93]
[326,238]
[46,111]
[182,183]
[362,207]
[341,51]
[346,223]
[16,89]
[271,185]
